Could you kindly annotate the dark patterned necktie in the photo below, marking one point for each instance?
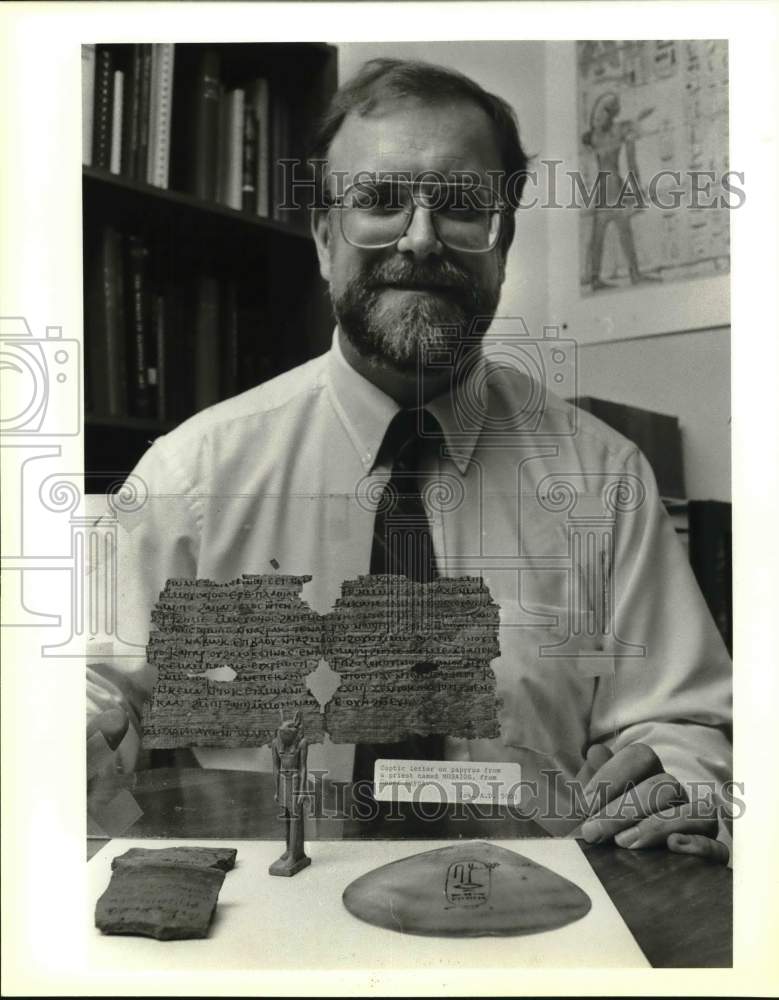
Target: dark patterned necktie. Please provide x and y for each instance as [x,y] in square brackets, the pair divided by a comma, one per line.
[403,545]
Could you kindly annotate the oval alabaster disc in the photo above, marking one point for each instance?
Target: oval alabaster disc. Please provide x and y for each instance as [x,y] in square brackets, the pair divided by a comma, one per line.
[468,890]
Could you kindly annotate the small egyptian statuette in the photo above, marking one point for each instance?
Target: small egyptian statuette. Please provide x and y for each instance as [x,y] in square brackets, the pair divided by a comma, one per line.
[290,753]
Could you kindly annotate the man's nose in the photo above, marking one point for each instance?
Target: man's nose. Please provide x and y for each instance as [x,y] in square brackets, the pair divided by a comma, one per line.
[420,238]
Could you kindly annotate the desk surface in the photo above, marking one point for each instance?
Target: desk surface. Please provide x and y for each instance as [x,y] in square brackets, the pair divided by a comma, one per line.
[678,908]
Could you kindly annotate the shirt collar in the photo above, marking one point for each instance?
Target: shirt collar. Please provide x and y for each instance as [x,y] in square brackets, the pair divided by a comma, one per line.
[366,412]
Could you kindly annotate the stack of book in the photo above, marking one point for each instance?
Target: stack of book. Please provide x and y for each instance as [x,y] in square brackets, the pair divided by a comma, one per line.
[218,142]
[164,351]
[127,108]
[231,135]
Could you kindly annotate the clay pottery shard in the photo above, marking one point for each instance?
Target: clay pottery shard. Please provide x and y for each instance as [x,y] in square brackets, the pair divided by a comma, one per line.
[166,902]
[222,858]
[472,889]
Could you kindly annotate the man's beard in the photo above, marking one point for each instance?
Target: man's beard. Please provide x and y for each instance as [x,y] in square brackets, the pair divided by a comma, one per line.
[398,336]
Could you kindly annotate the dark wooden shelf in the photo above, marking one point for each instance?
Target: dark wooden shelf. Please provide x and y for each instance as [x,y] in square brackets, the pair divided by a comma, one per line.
[130,423]
[105,182]
[254,279]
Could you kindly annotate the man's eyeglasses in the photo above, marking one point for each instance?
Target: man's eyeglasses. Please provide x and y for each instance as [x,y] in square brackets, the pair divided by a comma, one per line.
[376,214]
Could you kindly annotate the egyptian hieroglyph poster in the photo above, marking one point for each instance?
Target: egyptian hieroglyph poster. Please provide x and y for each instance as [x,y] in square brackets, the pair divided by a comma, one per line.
[653,126]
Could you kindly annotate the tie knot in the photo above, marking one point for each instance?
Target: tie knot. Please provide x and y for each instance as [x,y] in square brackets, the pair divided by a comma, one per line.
[406,435]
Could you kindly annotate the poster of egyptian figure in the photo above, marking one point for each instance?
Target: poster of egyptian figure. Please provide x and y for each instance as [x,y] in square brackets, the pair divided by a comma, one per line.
[654,192]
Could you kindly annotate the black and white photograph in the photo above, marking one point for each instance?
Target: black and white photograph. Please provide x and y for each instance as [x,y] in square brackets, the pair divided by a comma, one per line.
[381,474]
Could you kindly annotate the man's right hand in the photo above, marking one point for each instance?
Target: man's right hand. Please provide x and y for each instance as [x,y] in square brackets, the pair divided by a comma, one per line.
[108,713]
[112,723]
[635,803]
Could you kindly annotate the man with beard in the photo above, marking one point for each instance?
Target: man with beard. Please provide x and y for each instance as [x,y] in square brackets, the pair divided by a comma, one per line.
[419,188]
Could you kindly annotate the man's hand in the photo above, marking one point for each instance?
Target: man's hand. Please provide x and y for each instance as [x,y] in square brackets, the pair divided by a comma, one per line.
[111,808]
[113,723]
[107,723]
[107,708]
[631,799]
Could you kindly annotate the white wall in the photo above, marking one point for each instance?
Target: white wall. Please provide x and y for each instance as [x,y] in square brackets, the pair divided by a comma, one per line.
[684,374]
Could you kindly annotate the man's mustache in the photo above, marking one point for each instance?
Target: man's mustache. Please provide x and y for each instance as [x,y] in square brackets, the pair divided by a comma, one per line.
[408,274]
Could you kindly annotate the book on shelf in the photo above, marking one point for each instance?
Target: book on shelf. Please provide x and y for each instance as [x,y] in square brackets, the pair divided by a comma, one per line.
[207,347]
[104,330]
[175,363]
[185,303]
[115,321]
[231,347]
[164,353]
[172,122]
[115,165]
[103,107]
[259,94]
[201,132]
[249,159]
[226,138]
[87,102]
[154,93]
[247,360]
[141,396]
[160,114]
[131,113]
[165,125]
[224,141]
[159,335]
[280,151]
[144,113]
[231,148]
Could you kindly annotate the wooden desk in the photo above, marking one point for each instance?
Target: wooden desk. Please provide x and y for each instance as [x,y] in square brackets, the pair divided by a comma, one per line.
[678,908]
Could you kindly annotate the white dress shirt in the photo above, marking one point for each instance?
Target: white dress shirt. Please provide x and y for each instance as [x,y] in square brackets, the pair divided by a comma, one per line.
[605,637]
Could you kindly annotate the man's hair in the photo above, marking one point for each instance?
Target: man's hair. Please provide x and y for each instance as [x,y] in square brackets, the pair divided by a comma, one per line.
[381,81]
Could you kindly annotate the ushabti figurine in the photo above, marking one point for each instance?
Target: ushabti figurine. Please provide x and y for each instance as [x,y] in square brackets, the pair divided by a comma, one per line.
[290,753]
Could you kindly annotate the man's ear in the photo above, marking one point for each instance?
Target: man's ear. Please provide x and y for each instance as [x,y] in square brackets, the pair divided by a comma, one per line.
[320,230]
[504,245]
[502,254]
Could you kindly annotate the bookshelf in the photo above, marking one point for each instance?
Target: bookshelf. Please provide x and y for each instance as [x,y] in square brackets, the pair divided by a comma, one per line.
[193,290]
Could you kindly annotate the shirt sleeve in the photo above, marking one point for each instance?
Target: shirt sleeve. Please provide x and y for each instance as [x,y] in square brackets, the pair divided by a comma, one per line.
[156,541]
[671,686]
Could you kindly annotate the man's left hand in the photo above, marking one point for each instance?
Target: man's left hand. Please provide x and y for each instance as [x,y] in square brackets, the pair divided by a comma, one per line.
[632,800]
